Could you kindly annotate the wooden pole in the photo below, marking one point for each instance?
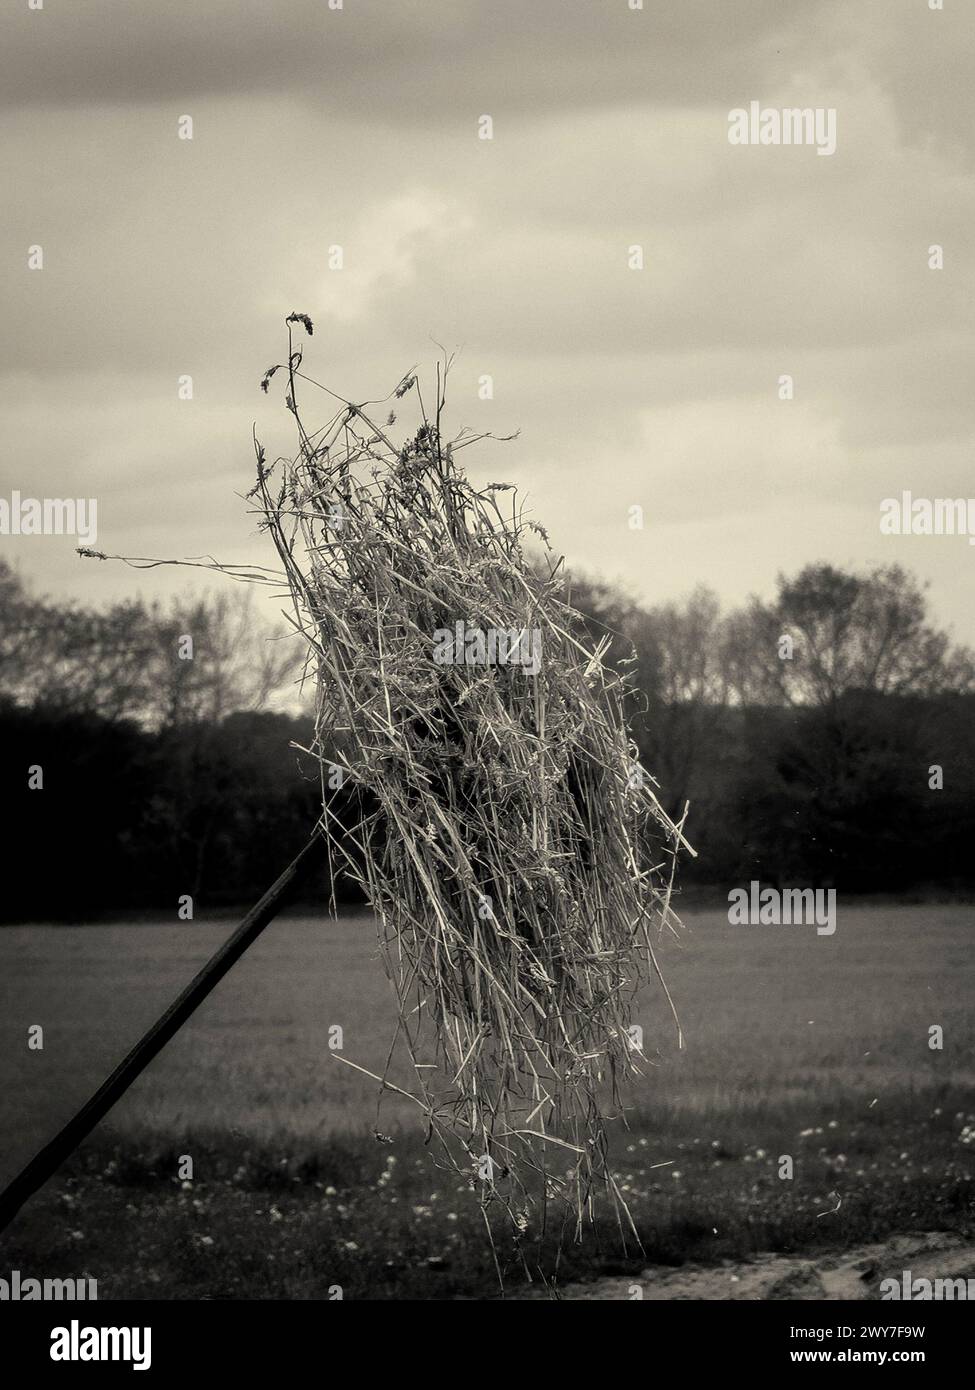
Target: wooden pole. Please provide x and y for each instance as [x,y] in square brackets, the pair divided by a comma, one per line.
[53,1154]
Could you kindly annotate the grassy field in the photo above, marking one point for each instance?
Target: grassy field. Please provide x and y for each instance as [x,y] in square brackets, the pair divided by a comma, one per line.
[816,1047]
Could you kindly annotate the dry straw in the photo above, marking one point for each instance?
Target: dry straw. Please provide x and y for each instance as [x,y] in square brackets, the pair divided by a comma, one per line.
[516,856]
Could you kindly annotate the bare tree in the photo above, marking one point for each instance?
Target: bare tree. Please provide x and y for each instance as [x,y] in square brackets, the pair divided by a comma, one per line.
[830,632]
[193,660]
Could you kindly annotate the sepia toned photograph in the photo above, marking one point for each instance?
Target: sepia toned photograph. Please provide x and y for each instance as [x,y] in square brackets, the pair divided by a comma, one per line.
[487,669]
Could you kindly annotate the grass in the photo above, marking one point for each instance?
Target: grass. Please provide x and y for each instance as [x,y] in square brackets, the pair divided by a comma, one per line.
[815,1047]
[287,1220]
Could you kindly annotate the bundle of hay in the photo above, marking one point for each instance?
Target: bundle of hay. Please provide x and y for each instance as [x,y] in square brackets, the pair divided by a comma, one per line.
[513,850]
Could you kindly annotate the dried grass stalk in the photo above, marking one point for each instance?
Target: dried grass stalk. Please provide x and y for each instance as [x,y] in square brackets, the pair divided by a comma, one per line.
[518,862]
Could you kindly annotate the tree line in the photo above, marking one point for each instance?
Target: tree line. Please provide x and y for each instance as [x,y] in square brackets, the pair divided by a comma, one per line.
[823,738]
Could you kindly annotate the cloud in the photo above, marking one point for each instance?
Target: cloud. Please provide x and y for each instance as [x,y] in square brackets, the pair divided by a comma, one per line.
[417,61]
[315,128]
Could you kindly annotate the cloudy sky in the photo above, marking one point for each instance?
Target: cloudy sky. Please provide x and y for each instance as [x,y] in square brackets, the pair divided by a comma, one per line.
[315,127]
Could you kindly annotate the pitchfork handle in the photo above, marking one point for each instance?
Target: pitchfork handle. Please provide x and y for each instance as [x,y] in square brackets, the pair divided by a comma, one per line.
[53,1154]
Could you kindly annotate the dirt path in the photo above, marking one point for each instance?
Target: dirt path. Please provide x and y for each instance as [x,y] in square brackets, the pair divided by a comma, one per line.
[847,1274]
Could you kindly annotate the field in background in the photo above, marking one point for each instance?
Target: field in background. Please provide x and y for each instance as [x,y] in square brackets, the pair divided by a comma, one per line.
[812,1046]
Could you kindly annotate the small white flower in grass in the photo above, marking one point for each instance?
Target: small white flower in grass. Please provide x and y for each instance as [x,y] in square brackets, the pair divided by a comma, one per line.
[675,1173]
[331,1192]
[274,1214]
[349,1245]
